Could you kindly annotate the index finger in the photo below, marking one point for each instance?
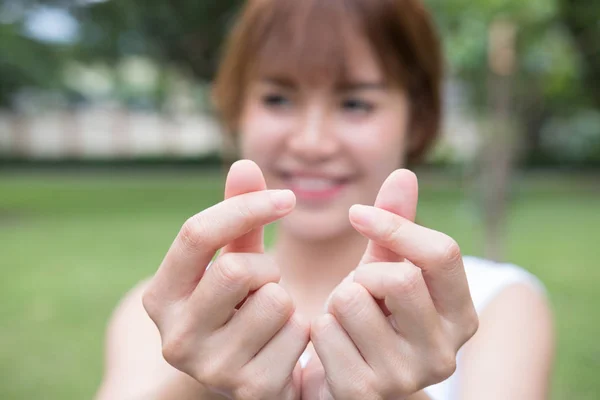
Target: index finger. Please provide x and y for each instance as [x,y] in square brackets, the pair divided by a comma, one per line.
[208,231]
[436,254]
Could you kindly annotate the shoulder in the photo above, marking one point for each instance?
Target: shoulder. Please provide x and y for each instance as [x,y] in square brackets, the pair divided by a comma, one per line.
[488,280]
[134,366]
[515,340]
[128,323]
[130,312]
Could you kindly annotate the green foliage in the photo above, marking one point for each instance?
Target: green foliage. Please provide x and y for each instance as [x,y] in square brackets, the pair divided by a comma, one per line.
[557,74]
[25,62]
[581,19]
[558,59]
[544,49]
[184,33]
[187,32]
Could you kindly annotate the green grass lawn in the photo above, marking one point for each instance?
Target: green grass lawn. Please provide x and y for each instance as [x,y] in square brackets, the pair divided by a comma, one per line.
[71,246]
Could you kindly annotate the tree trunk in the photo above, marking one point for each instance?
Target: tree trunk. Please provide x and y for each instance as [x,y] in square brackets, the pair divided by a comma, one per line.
[581,19]
[499,147]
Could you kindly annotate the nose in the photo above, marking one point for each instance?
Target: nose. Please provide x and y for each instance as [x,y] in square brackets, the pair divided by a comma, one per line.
[314,139]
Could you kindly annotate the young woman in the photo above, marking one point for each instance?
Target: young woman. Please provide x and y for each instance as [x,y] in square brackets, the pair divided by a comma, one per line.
[329,99]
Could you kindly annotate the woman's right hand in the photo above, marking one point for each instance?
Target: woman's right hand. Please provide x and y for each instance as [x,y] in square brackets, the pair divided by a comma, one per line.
[232,327]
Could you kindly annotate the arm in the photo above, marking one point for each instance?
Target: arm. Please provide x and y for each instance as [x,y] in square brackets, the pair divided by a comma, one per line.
[134,366]
[511,355]
[194,333]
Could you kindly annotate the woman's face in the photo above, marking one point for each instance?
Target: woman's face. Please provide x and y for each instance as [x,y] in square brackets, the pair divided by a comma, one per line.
[332,146]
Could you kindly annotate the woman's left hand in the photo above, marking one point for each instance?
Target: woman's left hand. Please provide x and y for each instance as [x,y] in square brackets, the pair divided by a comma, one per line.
[396,325]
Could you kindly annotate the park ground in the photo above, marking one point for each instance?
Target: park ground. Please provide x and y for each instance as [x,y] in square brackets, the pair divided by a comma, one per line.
[71,244]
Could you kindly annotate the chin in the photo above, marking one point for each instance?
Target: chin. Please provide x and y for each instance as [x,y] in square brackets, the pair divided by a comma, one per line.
[309,225]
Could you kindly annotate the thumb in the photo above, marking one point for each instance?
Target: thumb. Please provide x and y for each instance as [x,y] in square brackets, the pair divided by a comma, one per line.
[245,176]
[399,194]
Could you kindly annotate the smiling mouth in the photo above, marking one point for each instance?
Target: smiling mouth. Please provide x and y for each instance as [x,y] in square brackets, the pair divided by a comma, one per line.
[312,188]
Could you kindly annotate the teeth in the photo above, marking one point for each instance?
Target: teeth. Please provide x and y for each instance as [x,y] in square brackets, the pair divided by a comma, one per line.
[313,184]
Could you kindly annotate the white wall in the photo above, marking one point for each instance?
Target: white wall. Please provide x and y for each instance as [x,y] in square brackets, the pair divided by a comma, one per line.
[106,133]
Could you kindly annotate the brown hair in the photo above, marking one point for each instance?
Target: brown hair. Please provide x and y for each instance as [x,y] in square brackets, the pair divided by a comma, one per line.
[307,37]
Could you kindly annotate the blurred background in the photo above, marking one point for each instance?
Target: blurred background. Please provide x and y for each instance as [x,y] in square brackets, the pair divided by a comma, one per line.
[108,143]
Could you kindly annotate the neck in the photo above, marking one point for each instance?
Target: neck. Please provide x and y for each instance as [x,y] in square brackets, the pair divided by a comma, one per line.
[312,269]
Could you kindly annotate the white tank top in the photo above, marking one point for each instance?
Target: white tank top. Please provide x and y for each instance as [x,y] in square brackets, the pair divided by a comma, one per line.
[486,280]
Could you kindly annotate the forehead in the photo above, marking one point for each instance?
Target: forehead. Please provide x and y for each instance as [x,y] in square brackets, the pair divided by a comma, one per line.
[315,42]
[356,63]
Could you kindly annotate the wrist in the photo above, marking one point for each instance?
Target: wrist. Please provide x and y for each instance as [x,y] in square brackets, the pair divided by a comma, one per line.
[420,395]
[183,387]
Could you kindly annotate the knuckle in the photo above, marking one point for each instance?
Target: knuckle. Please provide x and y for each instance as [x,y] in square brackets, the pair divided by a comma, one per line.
[469,327]
[261,268]
[348,298]
[299,325]
[212,371]
[276,301]
[193,233]
[408,280]
[175,349]
[322,325]
[392,232]
[449,252]
[246,211]
[408,384]
[472,325]
[444,365]
[249,212]
[152,303]
[442,358]
[232,269]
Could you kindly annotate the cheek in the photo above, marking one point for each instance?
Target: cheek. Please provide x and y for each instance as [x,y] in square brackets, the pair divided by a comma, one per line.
[261,133]
[379,143]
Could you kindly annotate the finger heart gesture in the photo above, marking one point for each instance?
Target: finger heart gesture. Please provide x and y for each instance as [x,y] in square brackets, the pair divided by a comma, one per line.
[396,325]
[391,329]
[232,327]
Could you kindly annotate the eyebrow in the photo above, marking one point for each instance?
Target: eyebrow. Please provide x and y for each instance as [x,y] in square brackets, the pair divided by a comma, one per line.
[343,87]
[283,82]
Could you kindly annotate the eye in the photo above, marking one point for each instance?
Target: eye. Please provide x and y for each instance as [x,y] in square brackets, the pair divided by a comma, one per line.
[357,105]
[276,100]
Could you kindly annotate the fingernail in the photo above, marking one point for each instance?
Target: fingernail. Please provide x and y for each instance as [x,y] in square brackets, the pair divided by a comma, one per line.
[361,215]
[283,199]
